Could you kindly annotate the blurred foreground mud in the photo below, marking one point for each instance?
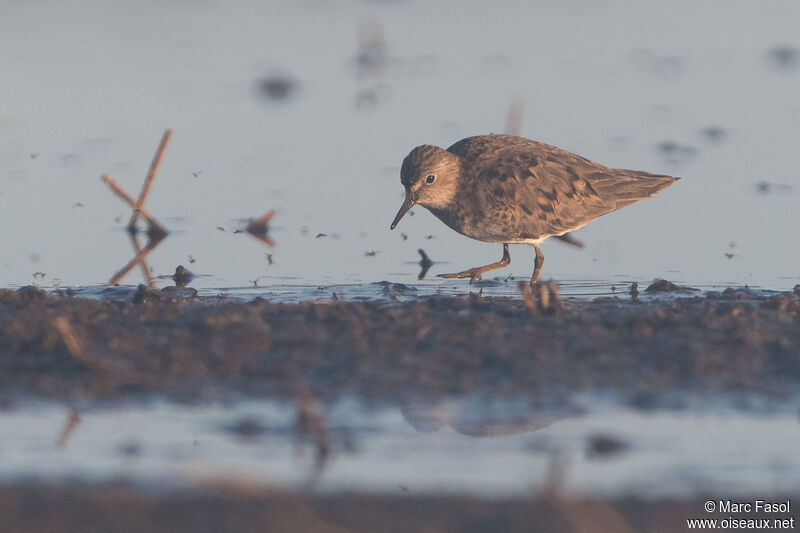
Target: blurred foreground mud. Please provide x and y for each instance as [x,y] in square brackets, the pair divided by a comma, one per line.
[121,508]
[60,347]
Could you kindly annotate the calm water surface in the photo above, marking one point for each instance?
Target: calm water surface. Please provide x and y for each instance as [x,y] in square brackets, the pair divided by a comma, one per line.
[478,446]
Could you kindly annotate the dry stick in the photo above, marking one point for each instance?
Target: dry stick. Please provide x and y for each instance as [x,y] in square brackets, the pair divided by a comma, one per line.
[514,117]
[556,304]
[72,422]
[119,191]
[264,238]
[310,418]
[258,228]
[151,175]
[529,298]
[73,343]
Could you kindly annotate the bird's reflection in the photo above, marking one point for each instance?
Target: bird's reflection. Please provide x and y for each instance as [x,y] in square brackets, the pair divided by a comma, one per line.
[475,418]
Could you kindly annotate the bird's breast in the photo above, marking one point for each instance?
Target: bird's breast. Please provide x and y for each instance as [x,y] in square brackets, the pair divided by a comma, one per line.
[487,223]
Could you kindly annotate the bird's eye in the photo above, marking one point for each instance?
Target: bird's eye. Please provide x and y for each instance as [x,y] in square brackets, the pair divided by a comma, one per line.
[430,179]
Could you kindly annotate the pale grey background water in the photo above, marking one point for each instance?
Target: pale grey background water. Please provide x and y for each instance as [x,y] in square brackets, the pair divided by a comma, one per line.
[89,86]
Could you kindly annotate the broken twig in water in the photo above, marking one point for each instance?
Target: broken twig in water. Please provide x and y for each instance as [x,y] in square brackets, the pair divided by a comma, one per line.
[72,422]
[155,225]
[151,175]
[259,228]
[514,117]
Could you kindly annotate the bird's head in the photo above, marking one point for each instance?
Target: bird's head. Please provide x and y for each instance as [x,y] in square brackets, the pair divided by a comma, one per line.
[430,176]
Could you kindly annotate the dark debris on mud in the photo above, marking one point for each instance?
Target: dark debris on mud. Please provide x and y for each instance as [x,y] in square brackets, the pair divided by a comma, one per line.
[59,346]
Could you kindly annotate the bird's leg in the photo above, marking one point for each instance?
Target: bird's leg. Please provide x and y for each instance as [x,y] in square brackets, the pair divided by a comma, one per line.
[538,261]
[475,273]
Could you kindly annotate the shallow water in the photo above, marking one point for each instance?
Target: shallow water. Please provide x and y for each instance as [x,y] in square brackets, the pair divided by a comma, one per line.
[292,292]
[475,446]
[89,87]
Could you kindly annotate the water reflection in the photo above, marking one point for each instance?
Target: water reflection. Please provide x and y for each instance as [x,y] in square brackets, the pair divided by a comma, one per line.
[425,263]
[477,445]
[475,419]
[139,258]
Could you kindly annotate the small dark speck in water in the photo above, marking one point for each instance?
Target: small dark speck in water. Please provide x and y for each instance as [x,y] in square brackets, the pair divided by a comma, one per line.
[714,133]
[191,259]
[77,204]
[197,173]
[130,449]
[729,255]
[269,259]
[784,57]
[278,86]
[404,236]
[371,253]
[320,235]
[650,62]
[604,446]
[247,428]
[238,231]
[220,228]
[766,187]
[676,153]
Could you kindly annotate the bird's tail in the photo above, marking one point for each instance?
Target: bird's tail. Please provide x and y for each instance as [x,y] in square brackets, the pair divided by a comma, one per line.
[629,187]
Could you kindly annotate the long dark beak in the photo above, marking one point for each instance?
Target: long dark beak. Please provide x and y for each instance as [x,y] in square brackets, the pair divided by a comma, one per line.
[408,203]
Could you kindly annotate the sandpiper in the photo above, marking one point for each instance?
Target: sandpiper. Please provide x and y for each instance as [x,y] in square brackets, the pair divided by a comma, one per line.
[511,190]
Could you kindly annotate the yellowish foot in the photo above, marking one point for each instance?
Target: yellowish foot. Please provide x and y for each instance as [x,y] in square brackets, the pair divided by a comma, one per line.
[472,274]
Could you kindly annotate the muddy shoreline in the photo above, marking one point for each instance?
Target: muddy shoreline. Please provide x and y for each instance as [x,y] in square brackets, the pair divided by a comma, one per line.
[61,347]
[123,508]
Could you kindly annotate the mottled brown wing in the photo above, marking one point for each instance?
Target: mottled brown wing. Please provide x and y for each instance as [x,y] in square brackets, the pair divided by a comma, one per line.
[544,189]
[537,190]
